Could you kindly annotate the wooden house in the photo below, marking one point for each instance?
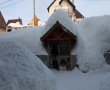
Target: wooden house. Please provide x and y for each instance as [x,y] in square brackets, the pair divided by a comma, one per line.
[9,28]
[2,23]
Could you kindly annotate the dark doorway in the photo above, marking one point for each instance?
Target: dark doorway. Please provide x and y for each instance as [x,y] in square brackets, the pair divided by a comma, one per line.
[55,64]
[54,50]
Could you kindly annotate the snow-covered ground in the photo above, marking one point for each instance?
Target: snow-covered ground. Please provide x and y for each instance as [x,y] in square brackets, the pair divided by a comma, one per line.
[93,40]
[76,80]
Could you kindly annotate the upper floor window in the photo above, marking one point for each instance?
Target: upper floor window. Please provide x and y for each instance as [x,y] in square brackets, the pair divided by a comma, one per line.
[64,8]
[55,8]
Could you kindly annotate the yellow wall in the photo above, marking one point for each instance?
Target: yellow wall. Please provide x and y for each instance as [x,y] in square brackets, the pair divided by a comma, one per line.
[2,30]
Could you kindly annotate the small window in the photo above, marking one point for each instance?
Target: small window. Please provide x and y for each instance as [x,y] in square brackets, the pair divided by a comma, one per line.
[65,8]
[9,30]
[55,8]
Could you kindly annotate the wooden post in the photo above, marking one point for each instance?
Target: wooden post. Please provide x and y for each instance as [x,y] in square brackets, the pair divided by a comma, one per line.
[69,54]
[48,52]
[34,13]
[48,46]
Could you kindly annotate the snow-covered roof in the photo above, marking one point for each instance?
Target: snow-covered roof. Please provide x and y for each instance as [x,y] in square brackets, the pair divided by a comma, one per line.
[17,24]
[63,18]
[64,28]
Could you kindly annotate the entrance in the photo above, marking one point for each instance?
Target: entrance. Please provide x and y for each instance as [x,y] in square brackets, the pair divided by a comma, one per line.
[59,42]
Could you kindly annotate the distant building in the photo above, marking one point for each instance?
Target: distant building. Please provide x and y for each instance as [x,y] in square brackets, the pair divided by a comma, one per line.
[37,21]
[68,7]
[16,26]
[14,21]
[2,23]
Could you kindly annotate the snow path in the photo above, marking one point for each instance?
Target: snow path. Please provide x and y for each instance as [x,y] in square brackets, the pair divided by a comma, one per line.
[76,80]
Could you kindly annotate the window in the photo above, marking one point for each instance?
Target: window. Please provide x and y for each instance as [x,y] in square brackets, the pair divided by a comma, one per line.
[55,8]
[64,8]
[9,30]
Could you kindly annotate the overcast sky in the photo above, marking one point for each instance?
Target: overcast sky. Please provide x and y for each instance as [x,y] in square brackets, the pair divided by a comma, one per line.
[24,8]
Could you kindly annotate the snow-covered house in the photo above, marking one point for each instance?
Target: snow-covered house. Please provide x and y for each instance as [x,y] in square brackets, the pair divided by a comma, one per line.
[13,24]
[59,38]
[60,41]
[68,7]
[2,23]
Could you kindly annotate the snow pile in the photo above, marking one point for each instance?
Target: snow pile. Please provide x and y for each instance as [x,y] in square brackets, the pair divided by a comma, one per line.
[29,37]
[63,18]
[22,70]
[93,41]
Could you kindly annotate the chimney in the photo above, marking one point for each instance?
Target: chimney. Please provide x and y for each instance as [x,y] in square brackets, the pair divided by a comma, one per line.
[73,2]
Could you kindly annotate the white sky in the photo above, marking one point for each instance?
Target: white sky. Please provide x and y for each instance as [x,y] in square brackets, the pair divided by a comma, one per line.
[24,9]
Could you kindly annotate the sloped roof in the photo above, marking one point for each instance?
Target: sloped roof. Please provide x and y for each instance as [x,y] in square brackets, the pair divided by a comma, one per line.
[14,21]
[32,21]
[78,14]
[50,5]
[64,28]
[2,21]
[60,3]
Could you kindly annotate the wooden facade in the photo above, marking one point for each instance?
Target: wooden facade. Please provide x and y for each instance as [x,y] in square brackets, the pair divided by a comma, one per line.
[59,42]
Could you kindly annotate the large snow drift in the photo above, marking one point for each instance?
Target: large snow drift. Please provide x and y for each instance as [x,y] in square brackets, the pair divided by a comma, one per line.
[93,41]
[22,70]
[29,37]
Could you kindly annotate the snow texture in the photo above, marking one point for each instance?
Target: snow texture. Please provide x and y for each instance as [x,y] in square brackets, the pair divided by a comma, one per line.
[29,37]
[63,18]
[76,80]
[105,83]
[93,38]
[22,70]
[92,42]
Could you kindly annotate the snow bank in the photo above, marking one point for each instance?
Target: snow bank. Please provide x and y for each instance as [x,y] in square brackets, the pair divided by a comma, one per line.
[93,41]
[63,18]
[22,70]
[29,37]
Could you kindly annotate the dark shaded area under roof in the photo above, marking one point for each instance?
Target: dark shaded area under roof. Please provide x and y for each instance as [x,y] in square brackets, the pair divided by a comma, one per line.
[2,21]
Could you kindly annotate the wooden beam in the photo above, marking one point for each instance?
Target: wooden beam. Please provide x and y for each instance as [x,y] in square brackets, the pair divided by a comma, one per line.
[62,33]
[69,54]
[48,47]
[55,34]
[59,39]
